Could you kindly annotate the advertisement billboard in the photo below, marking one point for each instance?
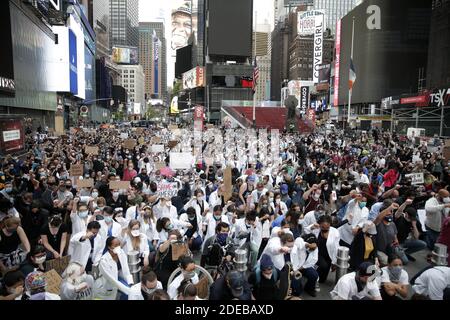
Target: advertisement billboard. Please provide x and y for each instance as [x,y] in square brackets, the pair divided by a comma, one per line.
[296,3]
[12,136]
[73,62]
[304,99]
[181,19]
[194,78]
[318,46]
[337,64]
[324,73]
[306,21]
[229,31]
[125,55]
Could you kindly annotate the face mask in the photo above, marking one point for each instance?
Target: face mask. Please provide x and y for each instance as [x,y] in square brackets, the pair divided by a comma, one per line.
[169,227]
[268,276]
[325,188]
[11,230]
[362,204]
[116,194]
[83,214]
[147,290]
[316,197]
[200,198]
[286,230]
[222,238]
[388,219]
[120,219]
[271,199]
[395,272]
[446,200]
[40,260]
[117,250]
[265,205]
[94,194]
[8,190]
[277,201]
[108,219]
[135,233]
[191,217]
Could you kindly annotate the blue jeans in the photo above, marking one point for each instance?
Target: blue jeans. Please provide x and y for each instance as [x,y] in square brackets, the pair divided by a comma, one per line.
[431,237]
[413,245]
[311,275]
[196,243]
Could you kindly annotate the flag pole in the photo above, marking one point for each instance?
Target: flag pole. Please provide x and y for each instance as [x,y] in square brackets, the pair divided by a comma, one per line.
[350,89]
[254,84]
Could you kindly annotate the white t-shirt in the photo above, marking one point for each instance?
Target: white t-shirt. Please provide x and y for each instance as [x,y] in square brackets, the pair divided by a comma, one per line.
[346,288]
[404,278]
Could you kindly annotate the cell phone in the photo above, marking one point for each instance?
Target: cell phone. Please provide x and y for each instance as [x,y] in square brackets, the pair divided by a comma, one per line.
[333,195]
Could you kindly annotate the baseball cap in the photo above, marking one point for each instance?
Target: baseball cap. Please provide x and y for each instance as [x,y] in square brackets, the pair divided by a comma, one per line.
[284,188]
[364,269]
[236,283]
[251,178]
[412,213]
[266,262]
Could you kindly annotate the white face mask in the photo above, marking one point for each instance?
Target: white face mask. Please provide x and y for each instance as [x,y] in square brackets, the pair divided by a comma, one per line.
[446,200]
[286,230]
[267,276]
[83,214]
[117,250]
[277,201]
[94,195]
[40,260]
[135,233]
[115,194]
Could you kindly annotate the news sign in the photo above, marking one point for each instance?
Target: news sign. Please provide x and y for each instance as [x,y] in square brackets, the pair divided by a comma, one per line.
[12,136]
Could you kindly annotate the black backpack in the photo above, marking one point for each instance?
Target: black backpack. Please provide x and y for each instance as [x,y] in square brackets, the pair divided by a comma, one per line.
[215,254]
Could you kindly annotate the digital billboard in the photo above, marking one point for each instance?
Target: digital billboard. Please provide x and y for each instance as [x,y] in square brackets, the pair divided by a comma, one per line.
[125,55]
[12,136]
[229,31]
[7,84]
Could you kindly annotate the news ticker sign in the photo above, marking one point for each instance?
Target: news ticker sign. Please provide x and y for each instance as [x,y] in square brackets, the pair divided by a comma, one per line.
[437,98]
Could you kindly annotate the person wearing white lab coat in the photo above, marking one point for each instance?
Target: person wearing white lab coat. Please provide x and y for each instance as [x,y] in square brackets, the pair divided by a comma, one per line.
[357,214]
[79,216]
[279,249]
[359,285]
[433,282]
[86,247]
[328,243]
[192,228]
[148,227]
[187,266]
[149,283]
[133,212]
[216,197]
[312,217]
[114,274]
[109,227]
[304,257]
[165,209]
[212,219]
[258,192]
[199,203]
[132,239]
[242,228]
[278,206]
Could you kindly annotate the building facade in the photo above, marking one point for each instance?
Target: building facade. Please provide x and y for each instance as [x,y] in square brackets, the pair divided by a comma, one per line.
[98,14]
[334,10]
[155,69]
[133,80]
[124,22]
[263,47]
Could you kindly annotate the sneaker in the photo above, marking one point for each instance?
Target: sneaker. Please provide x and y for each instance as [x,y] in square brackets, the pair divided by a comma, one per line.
[317,288]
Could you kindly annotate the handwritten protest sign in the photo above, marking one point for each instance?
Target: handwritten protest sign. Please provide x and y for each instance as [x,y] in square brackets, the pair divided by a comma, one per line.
[228,184]
[416,178]
[124,135]
[119,185]
[157,148]
[180,160]
[129,144]
[172,143]
[141,140]
[159,165]
[173,127]
[76,170]
[58,265]
[53,281]
[156,140]
[85,183]
[91,150]
[167,189]
[139,130]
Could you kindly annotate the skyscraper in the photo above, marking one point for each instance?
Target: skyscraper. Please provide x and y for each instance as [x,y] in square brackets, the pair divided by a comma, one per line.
[262,44]
[124,24]
[98,15]
[155,75]
[335,10]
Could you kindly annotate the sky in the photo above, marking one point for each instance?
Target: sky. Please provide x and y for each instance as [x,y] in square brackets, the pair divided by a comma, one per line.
[159,10]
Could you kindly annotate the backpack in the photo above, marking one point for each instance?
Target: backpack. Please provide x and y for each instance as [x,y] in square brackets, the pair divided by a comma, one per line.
[258,275]
[215,254]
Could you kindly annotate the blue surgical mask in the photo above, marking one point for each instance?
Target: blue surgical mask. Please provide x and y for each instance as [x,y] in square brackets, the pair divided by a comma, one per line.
[8,190]
[83,214]
[362,204]
[108,219]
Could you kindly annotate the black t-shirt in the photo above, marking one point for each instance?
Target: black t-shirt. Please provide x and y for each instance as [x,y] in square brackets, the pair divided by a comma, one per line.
[54,240]
[404,228]
[266,289]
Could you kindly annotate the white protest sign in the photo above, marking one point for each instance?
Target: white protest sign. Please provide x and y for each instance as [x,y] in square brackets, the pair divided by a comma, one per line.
[124,135]
[416,178]
[180,160]
[157,148]
[167,189]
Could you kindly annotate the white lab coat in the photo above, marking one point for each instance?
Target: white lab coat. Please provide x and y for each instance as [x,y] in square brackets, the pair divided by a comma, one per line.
[172,289]
[184,221]
[79,251]
[214,199]
[127,246]
[132,214]
[360,216]
[116,229]
[255,193]
[255,234]
[161,211]
[135,291]
[211,224]
[300,259]
[193,203]
[433,282]
[435,214]
[108,283]
[346,288]
[283,208]
[149,229]
[272,249]
[264,228]
[78,224]
[332,241]
[309,219]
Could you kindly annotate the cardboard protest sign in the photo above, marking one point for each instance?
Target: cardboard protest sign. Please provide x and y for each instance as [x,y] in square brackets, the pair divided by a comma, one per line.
[141,140]
[416,178]
[85,183]
[228,184]
[180,160]
[447,142]
[209,126]
[172,143]
[446,153]
[157,148]
[167,189]
[156,140]
[173,127]
[119,185]
[76,170]
[139,130]
[58,265]
[124,135]
[159,165]
[91,150]
[53,281]
[129,144]
[209,161]
[176,132]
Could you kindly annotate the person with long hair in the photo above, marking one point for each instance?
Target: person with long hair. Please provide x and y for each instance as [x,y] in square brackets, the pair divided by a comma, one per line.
[135,240]
[54,237]
[76,284]
[12,239]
